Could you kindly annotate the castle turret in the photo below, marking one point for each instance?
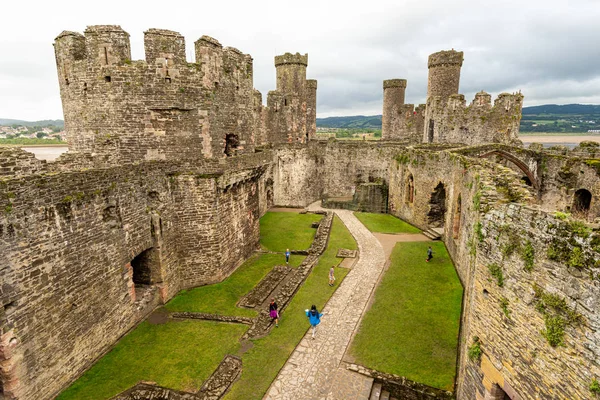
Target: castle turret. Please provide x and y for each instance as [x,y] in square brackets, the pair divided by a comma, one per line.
[444,73]
[291,72]
[393,97]
[292,107]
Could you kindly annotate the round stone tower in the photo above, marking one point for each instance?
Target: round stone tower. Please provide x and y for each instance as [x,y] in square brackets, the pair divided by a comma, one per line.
[393,96]
[444,73]
[291,73]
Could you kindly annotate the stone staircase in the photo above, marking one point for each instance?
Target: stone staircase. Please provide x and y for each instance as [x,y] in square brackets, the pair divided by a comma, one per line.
[377,393]
[434,233]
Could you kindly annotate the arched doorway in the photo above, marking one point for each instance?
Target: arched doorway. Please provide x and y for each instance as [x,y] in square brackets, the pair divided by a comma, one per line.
[581,202]
[437,207]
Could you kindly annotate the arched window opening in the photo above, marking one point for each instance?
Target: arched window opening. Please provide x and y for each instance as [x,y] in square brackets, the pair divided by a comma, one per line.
[231,144]
[526,180]
[456,225]
[145,267]
[581,202]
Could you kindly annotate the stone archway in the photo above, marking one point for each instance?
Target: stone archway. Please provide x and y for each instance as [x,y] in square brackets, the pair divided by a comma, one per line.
[520,164]
[437,207]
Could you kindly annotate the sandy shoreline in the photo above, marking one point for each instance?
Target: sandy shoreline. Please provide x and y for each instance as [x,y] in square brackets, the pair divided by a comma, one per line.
[558,139]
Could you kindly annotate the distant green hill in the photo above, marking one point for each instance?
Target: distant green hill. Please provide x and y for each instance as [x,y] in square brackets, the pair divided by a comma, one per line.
[358,121]
[45,122]
[581,109]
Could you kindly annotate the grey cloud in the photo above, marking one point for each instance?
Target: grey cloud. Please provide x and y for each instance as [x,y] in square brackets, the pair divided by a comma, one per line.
[547,50]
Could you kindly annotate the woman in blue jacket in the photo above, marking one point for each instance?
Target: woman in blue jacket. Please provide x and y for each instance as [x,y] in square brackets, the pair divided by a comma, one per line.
[314,318]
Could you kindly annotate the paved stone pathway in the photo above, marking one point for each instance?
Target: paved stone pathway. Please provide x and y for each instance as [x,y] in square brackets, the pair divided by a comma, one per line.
[313,371]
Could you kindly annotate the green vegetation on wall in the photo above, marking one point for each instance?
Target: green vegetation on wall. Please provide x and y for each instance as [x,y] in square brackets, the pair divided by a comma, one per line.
[557,315]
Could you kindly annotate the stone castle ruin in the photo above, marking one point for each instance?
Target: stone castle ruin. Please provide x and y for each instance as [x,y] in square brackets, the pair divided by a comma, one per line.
[171,164]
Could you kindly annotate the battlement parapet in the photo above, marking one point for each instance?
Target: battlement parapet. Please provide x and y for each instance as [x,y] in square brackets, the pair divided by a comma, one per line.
[452,120]
[289,58]
[482,99]
[445,57]
[391,83]
[15,162]
[311,83]
[164,47]
[205,39]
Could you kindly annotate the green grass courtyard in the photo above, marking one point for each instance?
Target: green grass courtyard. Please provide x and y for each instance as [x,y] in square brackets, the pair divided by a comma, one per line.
[385,223]
[182,354]
[412,327]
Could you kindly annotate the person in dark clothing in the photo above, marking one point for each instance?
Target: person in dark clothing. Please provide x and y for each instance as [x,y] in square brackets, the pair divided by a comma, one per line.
[273,313]
[429,254]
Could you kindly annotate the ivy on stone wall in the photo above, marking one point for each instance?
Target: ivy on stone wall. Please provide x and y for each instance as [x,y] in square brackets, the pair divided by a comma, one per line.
[504,306]
[475,351]
[557,315]
[496,272]
[595,386]
[528,255]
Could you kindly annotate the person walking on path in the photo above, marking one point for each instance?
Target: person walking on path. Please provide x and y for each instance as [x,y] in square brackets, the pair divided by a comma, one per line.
[429,254]
[331,276]
[314,318]
[287,256]
[273,313]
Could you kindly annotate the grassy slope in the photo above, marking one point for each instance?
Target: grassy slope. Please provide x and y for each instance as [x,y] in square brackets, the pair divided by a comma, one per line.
[385,223]
[282,230]
[221,298]
[412,328]
[262,363]
[178,355]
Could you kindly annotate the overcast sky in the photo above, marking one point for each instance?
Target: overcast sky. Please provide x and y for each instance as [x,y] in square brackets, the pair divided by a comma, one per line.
[547,49]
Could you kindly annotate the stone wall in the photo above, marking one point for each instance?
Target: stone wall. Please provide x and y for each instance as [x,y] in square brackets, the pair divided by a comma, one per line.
[555,179]
[329,169]
[548,279]
[547,266]
[87,254]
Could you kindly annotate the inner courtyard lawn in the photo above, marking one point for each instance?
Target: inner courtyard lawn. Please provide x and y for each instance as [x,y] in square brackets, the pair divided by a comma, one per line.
[412,326]
[178,355]
[221,298]
[284,230]
[182,354]
[385,223]
[262,362]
